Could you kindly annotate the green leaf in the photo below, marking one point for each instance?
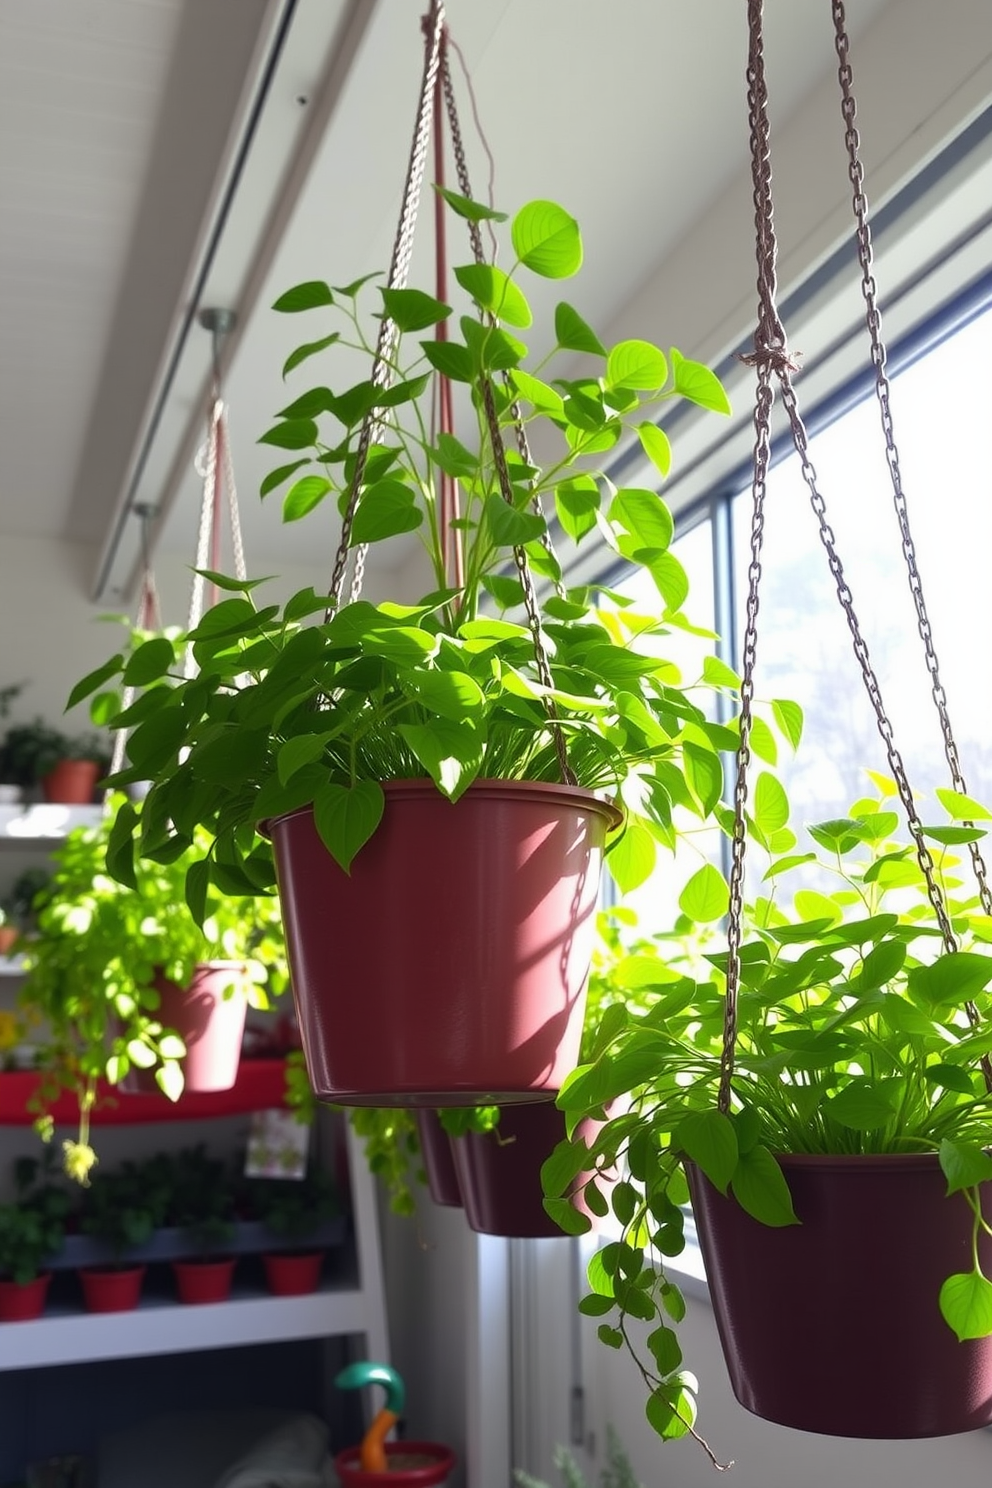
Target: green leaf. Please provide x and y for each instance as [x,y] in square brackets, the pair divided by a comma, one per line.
[197,885]
[169,1079]
[547,240]
[612,1337]
[451,753]
[311,348]
[763,741]
[534,391]
[657,446]
[789,718]
[771,804]
[952,979]
[665,1349]
[949,1077]
[760,1188]
[302,497]
[964,1165]
[881,964]
[576,503]
[718,674]
[709,1139]
[171,1046]
[412,310]
[637,365]
[276,477]
[297,752]
[450,358]
[670,579]
[307,296]
[670,1411]
[599,1277]
[508,527]
[966,1305]
[385,510]
[346,816]
[472,211]
[704,775]
[632,856]
[309,404]
[960,807]
[645,516]
[506,592]
[594,1306]
[495,291]
[863,1105]
[706,896]
[150,662]
[698,384]
[293,434]
[120,846]
[573,334]
[453,695]
[812,905]
[94,679]
[953,836]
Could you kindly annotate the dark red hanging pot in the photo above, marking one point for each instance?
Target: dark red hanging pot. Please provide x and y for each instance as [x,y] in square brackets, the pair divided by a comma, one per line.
[439,1162]
[449,967]
[210,1023]
[499,1172]
[833,1325]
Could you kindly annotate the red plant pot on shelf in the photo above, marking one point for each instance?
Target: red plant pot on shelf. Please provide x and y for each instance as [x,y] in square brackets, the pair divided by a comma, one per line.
[439,1162]
[210,1024]
[22,1302]
[9,936]
[72,782]
[467,928]
[111,1288]
[293,1274]
[833,1325]
[412,1464]
[204,1281]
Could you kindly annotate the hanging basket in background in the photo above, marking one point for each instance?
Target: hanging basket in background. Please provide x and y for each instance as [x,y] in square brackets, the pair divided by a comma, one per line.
[449,967]
[438,1160]
[209,1016]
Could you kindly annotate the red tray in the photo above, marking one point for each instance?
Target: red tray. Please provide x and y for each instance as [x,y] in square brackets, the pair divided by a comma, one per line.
[260,1086]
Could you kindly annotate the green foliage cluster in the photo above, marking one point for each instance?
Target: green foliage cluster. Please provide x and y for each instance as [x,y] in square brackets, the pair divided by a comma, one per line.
[617,1471]
[29,751]
[852,1038]
[293,1208]
[293,707]
[33,1226]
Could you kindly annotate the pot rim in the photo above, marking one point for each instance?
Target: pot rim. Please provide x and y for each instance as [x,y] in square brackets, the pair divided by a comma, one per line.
[864,1161]
[419,786]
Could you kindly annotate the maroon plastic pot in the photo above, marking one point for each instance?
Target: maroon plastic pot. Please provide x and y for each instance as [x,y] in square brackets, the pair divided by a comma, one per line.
[111,1289]
[833,1325]
[412,1464]
[204,1281]
[499,1172]
[449,967]
[23,1301]
[439,1161]
[210,1024]
[294,1273]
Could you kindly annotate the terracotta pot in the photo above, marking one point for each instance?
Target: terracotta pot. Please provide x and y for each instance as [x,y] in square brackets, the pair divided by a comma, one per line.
[499,1173]
[413,1463]
[833,1325]
[439,1162]
[72,782]
[9,935]
[449,967]
[22,1302]
[112,1289]
[210,1024]
[293,1274]
[204,1281]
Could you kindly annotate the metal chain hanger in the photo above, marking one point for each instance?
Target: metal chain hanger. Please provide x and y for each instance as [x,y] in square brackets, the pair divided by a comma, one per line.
[771,358]
[435,83]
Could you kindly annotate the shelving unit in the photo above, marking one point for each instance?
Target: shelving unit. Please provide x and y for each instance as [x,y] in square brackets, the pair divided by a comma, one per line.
[40,823]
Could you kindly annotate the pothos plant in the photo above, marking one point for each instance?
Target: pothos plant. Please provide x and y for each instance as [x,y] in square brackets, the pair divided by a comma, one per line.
[317,702]
[851,1039]
[92,964]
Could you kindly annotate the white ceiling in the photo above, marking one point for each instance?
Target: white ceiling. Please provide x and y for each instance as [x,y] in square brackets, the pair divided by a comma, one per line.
[120,128]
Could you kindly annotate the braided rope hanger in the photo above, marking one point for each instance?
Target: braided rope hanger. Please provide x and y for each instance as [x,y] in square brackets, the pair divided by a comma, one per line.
[148,616]
[435,84]
[771,357]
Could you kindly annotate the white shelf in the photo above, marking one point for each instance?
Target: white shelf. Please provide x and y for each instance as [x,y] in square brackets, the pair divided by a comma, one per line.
[12,966]
[43,822]
[160,1326]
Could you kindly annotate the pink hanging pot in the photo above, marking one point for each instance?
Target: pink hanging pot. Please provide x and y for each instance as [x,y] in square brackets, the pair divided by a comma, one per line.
[439,1162]
[210,1019]
[449,967]
[833,1325]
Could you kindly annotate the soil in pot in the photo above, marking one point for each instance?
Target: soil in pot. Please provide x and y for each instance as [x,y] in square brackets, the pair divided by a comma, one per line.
[22,1302]
[413,1463]
[469,929]
[210,1024]
[833,1325]
[112,1288]
[439,1161]
[293,1273]
[204,1280]
[72,782]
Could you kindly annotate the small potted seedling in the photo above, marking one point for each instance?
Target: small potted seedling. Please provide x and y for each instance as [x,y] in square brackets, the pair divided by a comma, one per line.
[122,1212]
[293,1211]
[203,1208]
[31,1231]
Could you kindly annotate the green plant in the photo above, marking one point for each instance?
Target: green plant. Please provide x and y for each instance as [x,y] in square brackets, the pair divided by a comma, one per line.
[616,1472]
[7,696]
[32,1227]
[852,1038]
[294,1208]
[199,1195]
[98,948]
[120,1209]
[21,901]
[29,751]
[291,706]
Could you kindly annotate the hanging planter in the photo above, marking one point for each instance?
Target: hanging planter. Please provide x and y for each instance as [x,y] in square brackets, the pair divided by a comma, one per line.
[438,1158]
[468,928]
[209,1017]
[22,1302]
[199,1281]
[855,1287]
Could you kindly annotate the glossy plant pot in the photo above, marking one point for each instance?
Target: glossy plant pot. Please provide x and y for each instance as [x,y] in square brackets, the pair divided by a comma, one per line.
[9,936]
[449,967]
[204,1281]
[210,1020]
[71,783]
[293,1274]
[22,1302]
[833,1325]
[499,1172]
[112,1289]
[439,1160]
[412,1464]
